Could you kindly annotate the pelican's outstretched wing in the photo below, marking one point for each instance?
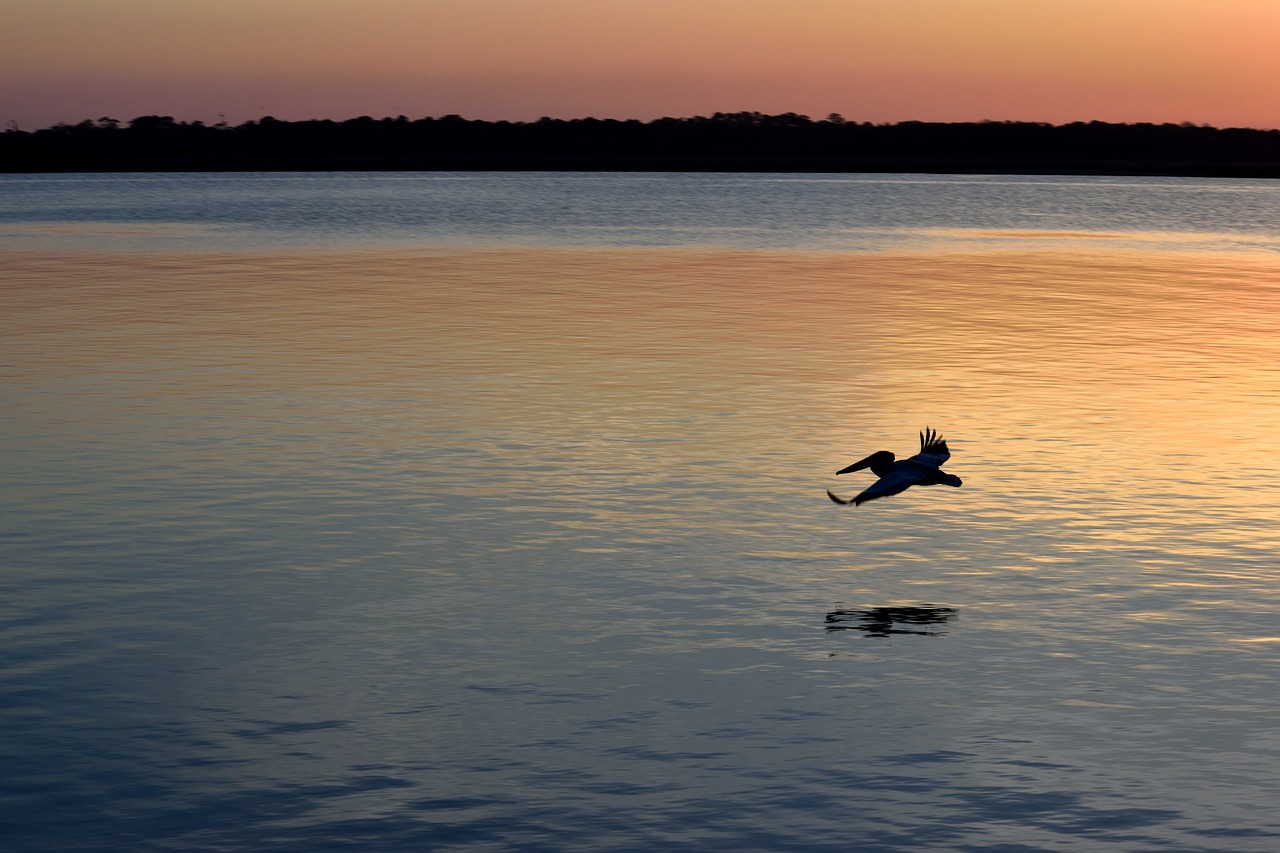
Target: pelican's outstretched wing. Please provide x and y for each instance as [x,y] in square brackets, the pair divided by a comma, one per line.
[903,476]
[933,449]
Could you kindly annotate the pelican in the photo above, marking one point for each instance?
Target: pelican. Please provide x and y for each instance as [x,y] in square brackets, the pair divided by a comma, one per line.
[923,469]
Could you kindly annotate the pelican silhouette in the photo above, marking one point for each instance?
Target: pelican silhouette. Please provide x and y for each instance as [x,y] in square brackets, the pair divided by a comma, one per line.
[923,469]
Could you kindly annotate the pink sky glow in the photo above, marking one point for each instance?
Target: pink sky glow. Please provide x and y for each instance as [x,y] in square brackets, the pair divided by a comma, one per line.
[930,60]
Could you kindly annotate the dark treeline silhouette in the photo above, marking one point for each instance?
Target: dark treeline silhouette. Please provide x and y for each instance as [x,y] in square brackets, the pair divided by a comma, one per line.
[747,141]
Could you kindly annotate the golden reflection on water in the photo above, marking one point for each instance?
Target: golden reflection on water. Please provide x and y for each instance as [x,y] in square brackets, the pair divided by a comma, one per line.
[1125,401]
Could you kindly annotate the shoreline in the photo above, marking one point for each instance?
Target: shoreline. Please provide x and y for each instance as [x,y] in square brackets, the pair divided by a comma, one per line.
[723,142]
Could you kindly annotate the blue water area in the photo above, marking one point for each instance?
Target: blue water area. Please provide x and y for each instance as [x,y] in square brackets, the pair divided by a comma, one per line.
[203,211]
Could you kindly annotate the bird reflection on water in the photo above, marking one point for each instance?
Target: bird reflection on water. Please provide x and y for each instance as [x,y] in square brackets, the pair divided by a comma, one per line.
[884,621]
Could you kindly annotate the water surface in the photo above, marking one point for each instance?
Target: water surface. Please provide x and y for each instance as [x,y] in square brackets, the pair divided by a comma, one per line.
[403,547]
[905,213]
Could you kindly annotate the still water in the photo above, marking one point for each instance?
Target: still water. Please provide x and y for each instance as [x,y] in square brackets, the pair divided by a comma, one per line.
[432,512]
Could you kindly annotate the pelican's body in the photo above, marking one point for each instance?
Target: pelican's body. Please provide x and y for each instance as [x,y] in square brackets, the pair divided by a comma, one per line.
[923,469]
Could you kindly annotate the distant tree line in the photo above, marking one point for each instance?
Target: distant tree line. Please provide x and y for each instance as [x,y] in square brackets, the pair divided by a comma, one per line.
[744,141]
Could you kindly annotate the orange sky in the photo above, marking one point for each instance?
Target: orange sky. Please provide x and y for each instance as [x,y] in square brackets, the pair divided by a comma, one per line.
[1205,61]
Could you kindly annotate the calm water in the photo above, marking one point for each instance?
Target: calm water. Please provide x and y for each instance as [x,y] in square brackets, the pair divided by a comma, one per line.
[431,512]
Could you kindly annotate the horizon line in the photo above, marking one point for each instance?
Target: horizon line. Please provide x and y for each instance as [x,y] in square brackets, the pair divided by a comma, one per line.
[12,125]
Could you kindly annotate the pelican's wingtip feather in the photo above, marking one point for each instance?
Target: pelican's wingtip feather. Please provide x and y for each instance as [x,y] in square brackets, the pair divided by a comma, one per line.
[931,438]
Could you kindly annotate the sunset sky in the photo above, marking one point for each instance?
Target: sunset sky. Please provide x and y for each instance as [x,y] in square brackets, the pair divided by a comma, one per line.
[1205,61]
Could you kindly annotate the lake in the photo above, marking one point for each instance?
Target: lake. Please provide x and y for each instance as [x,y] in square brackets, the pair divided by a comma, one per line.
[486,511]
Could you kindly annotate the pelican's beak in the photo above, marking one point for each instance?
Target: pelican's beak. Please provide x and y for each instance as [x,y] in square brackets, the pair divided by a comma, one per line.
[857,466]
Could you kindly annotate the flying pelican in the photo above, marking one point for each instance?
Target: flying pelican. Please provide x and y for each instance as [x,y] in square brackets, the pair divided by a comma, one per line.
[923,469]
